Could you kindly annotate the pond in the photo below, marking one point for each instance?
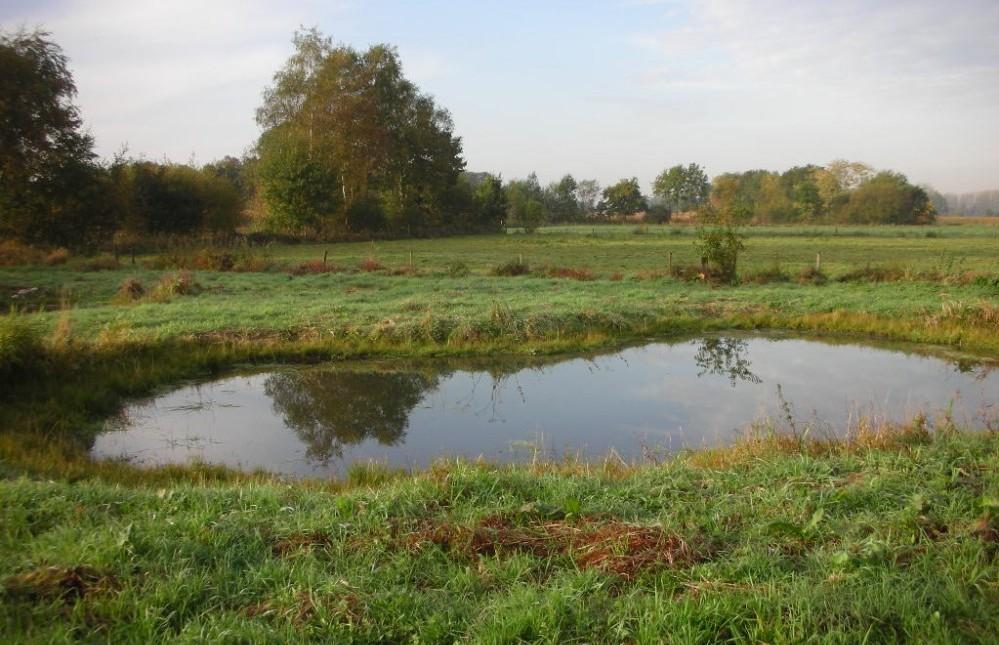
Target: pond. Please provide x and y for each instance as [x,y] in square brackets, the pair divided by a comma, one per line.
[314,421]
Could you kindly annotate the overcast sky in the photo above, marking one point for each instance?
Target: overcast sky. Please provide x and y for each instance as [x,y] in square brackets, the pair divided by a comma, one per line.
[599,89]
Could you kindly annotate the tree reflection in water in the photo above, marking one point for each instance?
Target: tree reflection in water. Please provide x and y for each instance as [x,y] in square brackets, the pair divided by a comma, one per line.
[331,409]
[724,356]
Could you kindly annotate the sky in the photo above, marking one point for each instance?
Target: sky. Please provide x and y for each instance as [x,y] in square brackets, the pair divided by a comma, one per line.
[602,90]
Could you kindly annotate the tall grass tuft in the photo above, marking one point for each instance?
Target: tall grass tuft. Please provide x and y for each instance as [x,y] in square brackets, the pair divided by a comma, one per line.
[512,268]
[811,275]
[130,290]
[181,283]
[314,267]
[20,345]
[56,257]
[370,264]
[582,274]
[457,269]
[14,253]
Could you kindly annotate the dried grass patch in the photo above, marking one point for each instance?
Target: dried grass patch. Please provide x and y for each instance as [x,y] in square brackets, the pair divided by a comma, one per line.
[612,546]
[571,273]
[69,584]
[300,542]
[307,605]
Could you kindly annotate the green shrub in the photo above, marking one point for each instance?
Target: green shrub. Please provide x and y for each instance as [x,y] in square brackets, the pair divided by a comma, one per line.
[720,247]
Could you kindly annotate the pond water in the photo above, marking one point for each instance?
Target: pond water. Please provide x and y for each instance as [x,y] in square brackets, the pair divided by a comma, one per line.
[314,421]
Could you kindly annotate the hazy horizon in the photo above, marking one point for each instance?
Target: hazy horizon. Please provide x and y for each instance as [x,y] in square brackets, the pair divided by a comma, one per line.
[599,89]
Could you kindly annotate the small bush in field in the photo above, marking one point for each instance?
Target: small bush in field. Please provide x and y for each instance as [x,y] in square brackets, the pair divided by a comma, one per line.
[251,263]
[13,253]
[370,264]
[811,275]
[767,276]
[874,274]
[512,268]
[314,266]
[130,290]
[100,263]
[181,283]
[720,247]
[572,273]
[457,269]
[56,257]
[213,260]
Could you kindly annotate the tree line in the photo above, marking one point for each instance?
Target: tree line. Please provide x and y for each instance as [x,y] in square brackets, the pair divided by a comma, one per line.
[53,191]
[842,192]
[350,147]
[982,203]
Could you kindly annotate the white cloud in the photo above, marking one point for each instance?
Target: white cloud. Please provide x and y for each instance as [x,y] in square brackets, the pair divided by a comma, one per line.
[173,78]
[897,50]
[903,84]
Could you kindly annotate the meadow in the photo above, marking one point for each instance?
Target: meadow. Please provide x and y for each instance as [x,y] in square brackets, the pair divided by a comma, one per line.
[889,535]
[575,280]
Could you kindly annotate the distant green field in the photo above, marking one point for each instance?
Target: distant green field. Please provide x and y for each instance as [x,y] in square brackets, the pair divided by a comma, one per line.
[628,265]
[627,248]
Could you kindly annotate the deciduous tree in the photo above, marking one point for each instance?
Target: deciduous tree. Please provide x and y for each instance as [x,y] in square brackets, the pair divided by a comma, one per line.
[624,198]
[682,188]
[50,188]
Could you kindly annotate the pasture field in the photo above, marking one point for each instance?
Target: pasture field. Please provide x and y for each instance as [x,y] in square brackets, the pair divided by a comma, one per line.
[889,535]
[579,279]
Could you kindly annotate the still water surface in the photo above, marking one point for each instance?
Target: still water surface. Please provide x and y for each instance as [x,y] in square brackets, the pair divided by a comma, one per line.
[314,421]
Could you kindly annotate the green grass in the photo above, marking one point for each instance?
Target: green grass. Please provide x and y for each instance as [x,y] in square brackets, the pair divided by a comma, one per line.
[885,539]
[630,291]
[883,542]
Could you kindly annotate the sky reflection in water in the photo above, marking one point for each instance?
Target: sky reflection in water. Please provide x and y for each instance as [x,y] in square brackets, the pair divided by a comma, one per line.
[314,421]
